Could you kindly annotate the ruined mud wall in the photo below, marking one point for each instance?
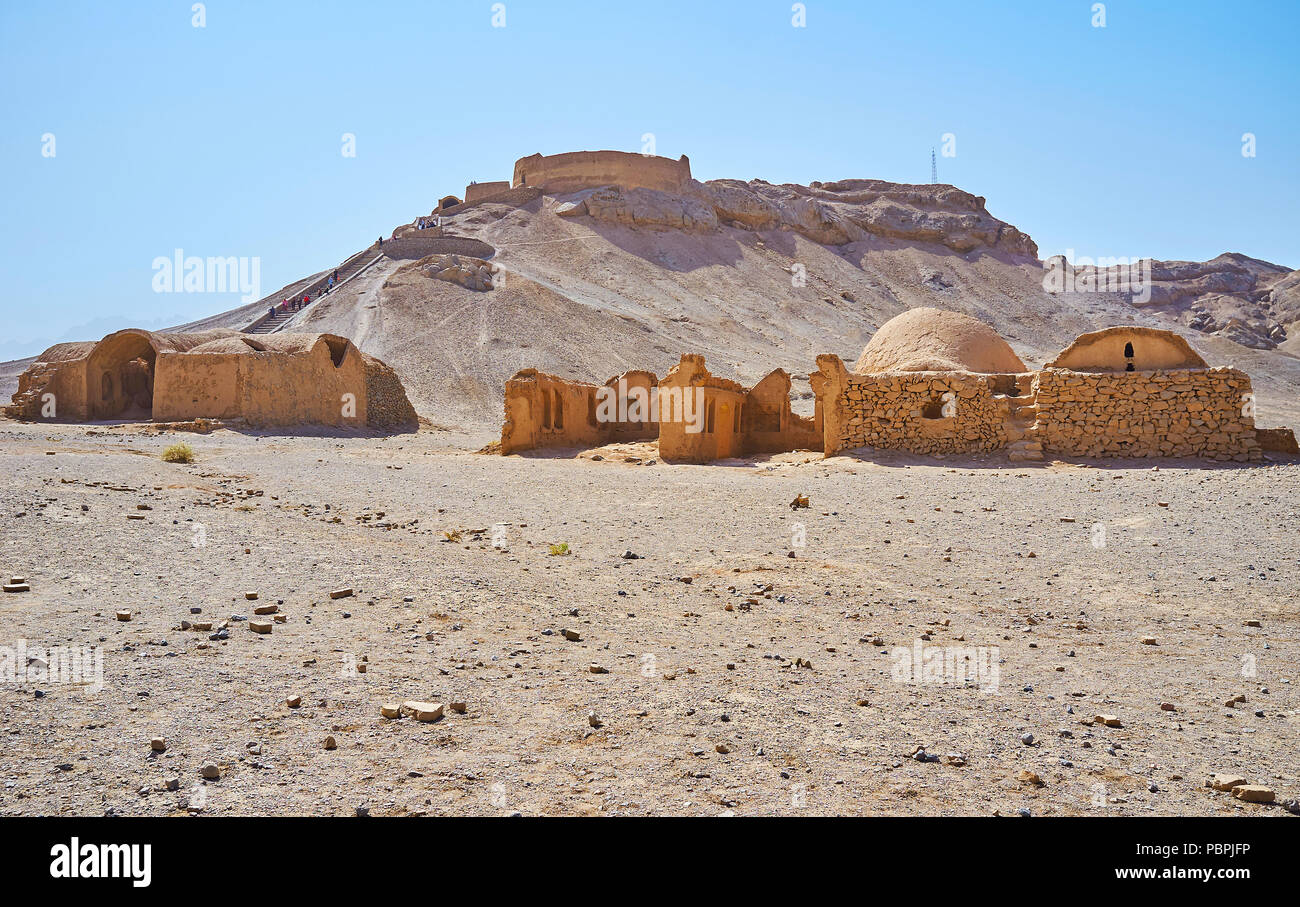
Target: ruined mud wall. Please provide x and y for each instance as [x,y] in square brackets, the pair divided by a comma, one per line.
[700,416]
[768,423]
[574,170]
[65,380]
[543,410]
[908,411]
[1178,413]
[263,388]
[476,192]
[387,406]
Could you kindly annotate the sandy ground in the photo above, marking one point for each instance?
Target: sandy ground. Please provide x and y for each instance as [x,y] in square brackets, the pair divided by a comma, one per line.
[737,679]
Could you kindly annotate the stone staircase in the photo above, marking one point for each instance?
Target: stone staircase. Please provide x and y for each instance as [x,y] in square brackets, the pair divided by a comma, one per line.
[269,323]
[1020,415]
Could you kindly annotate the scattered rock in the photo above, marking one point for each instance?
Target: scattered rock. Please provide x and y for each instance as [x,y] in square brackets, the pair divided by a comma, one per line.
[422,711]
[1253,793]
[1227,782]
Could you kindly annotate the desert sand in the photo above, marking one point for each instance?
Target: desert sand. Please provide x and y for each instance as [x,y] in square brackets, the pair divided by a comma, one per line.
[712,673]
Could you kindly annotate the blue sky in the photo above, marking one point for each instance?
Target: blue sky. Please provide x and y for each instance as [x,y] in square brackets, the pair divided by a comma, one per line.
[226,140]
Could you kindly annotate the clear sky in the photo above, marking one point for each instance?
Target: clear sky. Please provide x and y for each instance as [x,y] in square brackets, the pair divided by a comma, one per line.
[227,139]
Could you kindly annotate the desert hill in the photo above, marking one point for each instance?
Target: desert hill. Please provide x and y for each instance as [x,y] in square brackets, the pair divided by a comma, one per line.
[754,276]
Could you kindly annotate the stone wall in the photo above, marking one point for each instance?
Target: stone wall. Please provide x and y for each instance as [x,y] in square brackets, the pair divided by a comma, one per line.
[919,412]
[574,170]
[477,192]
[414,247]
[1175,413]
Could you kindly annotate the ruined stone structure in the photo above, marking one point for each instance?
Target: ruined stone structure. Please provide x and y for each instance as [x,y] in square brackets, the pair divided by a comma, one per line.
[932,382]
[575,170]
[266,380]
[937,382]
[477,192]
[696,416]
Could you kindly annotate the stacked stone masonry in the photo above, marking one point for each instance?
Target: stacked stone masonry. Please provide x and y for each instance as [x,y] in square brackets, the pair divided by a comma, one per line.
[1176,413]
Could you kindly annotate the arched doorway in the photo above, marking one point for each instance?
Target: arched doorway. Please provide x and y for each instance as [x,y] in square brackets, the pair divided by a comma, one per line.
[119,375]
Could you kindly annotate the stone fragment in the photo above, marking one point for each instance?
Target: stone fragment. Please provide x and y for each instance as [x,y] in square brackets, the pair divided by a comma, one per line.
[1109,720]
[123,615]
[1227,782]
[250,596]
[390,710]
[1254,793]
[260,626]
[210,771]
[422,711]
[330,743]
[158,745]
[293,702]
[597,669]
[266,609]
[341,593]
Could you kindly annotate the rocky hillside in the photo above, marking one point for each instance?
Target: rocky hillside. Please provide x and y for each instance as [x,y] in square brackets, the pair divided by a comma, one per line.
[1251,302]
[756,276]
[832,214]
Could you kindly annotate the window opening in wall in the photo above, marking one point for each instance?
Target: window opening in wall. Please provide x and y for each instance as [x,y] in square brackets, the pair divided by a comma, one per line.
[708,417]
[546,409]
[559,410]
[933,409]
[1128,354]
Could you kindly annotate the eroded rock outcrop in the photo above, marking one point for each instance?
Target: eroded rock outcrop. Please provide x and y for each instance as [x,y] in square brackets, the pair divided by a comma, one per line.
[1251,302]
[832,214]
[470,273]
[641,208]
[849,210]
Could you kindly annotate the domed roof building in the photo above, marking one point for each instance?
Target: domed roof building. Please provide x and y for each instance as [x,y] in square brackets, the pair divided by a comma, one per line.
[269,380]
[935,340]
